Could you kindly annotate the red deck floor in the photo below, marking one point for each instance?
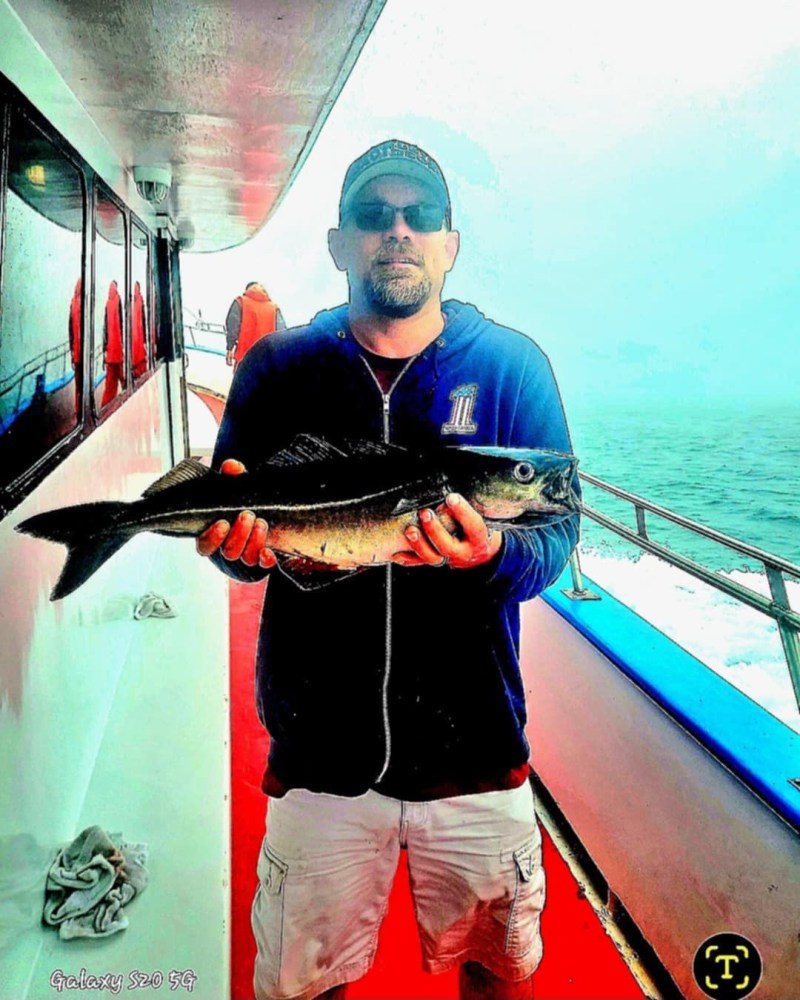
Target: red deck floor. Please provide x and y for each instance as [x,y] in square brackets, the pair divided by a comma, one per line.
[580,960]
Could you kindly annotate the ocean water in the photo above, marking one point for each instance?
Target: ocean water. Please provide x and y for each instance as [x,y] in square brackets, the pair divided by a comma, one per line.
[730,466]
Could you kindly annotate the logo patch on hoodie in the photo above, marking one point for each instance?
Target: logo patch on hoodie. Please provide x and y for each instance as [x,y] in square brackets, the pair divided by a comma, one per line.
[461,422]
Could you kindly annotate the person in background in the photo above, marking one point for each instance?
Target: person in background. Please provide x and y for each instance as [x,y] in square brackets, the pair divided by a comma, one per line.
[394,700]
[250,317]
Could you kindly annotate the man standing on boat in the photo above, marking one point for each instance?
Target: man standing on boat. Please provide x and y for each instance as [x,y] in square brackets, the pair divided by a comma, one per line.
[250,317]
[393,700]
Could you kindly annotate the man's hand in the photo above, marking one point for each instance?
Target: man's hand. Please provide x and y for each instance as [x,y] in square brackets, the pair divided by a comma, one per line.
[469,544]
[245,539]
[229,358]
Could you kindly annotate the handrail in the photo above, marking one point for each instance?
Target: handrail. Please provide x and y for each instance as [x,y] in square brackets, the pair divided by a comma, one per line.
[30,367]
[779,608]
[716,536]
[203,326]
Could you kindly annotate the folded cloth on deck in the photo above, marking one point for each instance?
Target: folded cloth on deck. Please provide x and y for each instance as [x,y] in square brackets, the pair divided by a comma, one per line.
[90,882]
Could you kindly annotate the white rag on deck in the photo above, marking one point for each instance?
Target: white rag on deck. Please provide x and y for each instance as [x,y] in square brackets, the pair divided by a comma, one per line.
[90,882]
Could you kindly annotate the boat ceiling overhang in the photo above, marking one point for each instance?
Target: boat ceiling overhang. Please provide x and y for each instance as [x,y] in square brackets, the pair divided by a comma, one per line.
[229,94]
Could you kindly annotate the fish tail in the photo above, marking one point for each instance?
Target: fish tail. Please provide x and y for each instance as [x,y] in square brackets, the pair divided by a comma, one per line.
[90,533]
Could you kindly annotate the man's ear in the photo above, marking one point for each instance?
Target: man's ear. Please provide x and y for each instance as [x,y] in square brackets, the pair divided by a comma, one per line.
[451,246]
[336,245]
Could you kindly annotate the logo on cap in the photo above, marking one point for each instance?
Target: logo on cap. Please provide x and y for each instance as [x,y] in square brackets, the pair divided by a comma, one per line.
[395,156]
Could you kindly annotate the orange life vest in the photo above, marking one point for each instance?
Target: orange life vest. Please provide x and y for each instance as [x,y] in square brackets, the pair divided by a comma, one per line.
[75,308]
[139,357]
[259,314]
[113,331]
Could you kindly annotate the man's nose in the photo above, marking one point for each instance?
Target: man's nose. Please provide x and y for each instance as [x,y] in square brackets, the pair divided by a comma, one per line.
[399,228]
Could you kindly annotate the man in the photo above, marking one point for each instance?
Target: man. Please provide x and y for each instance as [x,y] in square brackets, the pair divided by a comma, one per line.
[250,317]
[394,700]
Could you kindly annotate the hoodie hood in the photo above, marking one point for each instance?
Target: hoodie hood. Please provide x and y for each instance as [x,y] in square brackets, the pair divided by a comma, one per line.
[257,295]
[463,322]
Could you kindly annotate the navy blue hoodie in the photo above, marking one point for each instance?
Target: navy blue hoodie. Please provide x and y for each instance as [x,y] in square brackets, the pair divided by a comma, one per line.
[399,679]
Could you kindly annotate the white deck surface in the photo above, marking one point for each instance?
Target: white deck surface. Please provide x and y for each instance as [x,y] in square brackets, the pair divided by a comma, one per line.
[159,775]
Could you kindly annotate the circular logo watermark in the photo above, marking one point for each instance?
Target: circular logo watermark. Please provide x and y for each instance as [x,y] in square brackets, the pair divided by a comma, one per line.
[727,966]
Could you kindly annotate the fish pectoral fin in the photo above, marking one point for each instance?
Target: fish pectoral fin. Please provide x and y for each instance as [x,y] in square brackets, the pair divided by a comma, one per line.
[425,498]
[183,472]
[310,575]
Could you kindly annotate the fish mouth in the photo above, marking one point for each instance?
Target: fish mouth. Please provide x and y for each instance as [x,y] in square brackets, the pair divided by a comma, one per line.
[558,489]
[556,501]
[543,513]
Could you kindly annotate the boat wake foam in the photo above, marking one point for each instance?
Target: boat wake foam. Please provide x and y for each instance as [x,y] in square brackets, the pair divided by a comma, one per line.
[740,644]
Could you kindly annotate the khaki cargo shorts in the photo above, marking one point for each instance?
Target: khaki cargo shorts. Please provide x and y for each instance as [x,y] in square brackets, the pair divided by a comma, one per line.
[326,869]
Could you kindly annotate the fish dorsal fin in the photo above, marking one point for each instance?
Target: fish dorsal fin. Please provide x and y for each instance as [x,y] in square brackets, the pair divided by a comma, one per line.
[307,448]
[183,472]
[356,448]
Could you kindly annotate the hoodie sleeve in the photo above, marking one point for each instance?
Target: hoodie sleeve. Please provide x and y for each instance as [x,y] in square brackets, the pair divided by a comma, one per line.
[244,434]
[530,560]
[233,322]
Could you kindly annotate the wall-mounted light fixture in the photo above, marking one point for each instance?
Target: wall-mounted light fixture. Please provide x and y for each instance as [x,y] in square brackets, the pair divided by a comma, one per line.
[153,183]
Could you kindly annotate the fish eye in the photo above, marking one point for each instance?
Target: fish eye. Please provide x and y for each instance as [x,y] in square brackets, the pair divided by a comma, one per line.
[524,472]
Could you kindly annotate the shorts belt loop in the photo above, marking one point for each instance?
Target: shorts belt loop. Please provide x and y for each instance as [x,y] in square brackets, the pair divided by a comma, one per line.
[412,814]
[418,813]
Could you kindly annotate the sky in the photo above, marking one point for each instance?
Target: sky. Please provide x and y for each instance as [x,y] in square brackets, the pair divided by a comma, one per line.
[624,176]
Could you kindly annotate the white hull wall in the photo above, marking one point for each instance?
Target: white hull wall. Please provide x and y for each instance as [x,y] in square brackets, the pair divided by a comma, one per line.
[111,721]
[685,845]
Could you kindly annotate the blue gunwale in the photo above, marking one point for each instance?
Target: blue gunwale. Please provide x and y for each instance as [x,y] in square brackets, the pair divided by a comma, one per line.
[757,747]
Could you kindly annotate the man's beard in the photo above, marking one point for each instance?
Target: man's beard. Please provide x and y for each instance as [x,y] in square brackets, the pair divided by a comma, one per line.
[397,296]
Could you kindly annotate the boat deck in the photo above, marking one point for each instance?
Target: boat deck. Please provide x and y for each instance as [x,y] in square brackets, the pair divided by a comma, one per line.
[580,959]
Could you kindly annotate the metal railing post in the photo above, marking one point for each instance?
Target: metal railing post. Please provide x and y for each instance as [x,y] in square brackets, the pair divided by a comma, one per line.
[789,636]
[579,592]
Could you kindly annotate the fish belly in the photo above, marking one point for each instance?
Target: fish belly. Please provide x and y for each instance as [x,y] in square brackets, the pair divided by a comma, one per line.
[346,543]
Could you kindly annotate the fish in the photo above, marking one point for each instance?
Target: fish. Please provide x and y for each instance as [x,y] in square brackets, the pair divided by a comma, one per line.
[333,509]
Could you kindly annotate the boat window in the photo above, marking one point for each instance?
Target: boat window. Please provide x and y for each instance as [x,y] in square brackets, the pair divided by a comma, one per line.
[42,300]
[142,355]
[109,356]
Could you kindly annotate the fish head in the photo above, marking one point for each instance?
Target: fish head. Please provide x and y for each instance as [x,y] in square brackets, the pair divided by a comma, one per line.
[517,487]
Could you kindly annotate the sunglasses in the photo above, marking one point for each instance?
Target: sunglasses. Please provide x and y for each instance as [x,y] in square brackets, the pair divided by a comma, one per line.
[377,216]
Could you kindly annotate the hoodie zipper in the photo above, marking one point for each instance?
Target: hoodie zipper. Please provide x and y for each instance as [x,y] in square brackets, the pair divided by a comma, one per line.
[387,732]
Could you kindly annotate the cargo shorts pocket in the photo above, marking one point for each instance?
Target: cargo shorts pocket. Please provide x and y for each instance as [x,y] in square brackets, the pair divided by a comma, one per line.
[268,919]
[271,871]
[522,929]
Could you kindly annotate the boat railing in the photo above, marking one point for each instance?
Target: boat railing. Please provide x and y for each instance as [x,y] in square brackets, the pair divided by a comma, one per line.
[775,567]
[201,335]
[33,372]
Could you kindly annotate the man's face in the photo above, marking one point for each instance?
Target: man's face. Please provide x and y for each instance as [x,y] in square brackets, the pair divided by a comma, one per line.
[396,271]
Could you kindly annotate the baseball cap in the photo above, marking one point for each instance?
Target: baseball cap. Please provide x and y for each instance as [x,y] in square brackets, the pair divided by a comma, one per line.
[394,157]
